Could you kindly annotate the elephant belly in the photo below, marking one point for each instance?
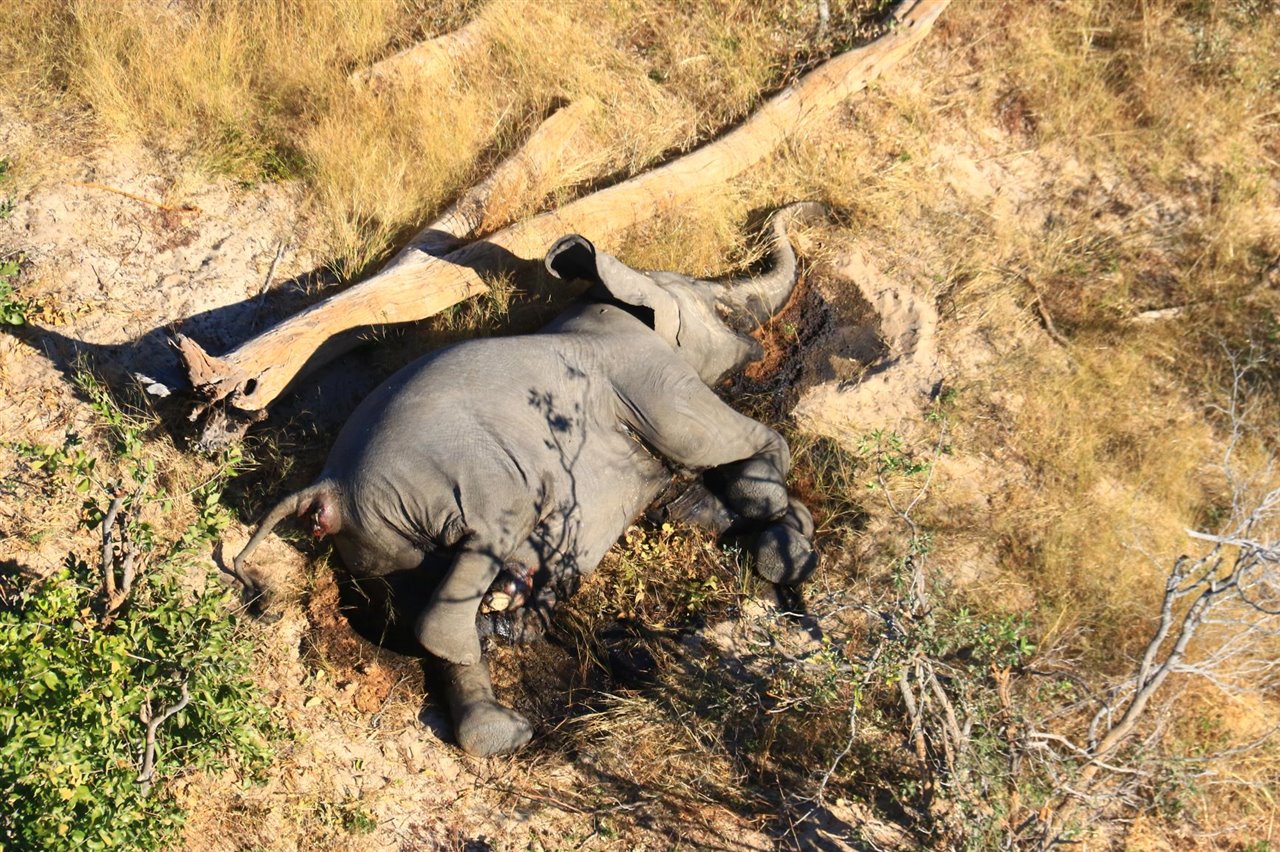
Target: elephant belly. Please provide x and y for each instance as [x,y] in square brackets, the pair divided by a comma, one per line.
[595,508]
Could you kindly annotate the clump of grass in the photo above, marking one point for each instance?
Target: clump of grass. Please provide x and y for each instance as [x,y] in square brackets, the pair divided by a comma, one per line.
[261,90]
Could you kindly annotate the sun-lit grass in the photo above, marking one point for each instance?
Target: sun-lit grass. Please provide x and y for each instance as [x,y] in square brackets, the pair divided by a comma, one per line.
[261,90]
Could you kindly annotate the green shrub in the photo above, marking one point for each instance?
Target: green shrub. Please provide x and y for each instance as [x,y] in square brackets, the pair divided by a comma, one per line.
[72,695]
[80,677]
[13,309]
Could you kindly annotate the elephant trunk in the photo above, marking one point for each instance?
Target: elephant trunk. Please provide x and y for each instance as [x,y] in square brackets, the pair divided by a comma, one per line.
[752,301]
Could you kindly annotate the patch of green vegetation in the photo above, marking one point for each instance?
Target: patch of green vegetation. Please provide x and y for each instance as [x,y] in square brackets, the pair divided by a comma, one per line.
[70,461]
[891,455]
[13,308]
[7,202]
[88,679]
[77,695]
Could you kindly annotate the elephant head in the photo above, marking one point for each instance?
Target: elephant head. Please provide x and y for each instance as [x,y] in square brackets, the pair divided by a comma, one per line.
[706,322]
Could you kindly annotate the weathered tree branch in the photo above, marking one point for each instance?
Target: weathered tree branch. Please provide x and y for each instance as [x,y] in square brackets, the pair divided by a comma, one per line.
[428,58]
[122,555]
[557,155]
[416,285]
[148,771]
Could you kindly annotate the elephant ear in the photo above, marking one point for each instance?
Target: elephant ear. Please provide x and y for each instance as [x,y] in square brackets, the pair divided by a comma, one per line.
[575,257]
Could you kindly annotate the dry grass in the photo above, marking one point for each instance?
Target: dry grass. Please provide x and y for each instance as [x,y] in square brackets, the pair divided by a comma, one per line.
[261,90]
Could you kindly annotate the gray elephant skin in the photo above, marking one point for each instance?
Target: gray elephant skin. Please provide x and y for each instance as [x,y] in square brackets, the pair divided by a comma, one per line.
[513,464]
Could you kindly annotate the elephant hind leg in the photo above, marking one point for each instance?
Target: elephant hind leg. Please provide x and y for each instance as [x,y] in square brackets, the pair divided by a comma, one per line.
[483,727]
[781,545]
[745,466]
[698,507]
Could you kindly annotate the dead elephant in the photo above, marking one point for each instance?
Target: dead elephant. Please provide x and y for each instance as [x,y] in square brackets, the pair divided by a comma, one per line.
[522,460]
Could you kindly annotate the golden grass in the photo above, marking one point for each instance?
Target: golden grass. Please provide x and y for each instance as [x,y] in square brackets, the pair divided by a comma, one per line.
[261,90]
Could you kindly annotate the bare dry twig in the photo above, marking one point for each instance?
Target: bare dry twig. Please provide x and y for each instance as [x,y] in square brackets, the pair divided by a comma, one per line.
[121,555]
[1217,612]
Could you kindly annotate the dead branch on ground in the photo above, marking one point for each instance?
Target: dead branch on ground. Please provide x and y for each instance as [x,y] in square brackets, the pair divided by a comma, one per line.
[118,555]
[1218,622]
[430,58]
[559,154]
[234,389]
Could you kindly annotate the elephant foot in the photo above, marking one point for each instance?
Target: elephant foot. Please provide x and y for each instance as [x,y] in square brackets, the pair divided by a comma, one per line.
[783,550]
[753,488]
[486,728]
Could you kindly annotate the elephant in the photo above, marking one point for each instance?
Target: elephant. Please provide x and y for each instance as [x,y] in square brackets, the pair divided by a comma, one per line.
[487,478]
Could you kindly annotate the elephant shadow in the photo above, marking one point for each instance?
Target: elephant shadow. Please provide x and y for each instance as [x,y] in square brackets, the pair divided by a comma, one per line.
[147,372]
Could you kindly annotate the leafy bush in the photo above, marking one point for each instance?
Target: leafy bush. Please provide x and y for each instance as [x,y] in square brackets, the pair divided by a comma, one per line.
[74,694]
[83,672]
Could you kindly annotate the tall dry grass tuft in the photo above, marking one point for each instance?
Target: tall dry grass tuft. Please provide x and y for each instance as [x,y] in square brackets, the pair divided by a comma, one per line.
[261,90]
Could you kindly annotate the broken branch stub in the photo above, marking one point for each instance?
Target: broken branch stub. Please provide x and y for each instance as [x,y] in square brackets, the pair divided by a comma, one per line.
[417,285]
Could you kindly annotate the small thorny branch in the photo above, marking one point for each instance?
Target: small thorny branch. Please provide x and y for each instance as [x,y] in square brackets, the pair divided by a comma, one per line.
[935,728]
[147,774]
[1217,611]
[118,554]
[931,714]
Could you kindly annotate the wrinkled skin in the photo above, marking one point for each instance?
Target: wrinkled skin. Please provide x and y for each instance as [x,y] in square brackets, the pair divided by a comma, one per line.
[501,470]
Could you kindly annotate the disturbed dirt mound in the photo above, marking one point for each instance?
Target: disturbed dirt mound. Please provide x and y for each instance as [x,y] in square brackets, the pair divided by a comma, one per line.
[876,367]
[367,670]
[853,351]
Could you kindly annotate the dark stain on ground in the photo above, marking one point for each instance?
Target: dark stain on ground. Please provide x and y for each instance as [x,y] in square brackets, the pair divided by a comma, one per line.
[334,644]
[826,332]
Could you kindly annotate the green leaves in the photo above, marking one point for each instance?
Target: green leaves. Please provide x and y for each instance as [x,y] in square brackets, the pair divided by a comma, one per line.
[13,310]
[73,690]
[71,694]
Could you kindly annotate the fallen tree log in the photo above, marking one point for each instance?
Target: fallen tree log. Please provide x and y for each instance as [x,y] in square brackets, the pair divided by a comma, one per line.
[416,284]
[429,58]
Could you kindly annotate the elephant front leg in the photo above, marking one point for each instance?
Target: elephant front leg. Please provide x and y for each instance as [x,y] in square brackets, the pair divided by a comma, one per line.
[783,549]
[447,627]
[781,543]
[483,726]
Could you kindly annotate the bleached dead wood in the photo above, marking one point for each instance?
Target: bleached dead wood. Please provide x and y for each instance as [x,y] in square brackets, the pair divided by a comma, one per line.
[416,285]
[428,58]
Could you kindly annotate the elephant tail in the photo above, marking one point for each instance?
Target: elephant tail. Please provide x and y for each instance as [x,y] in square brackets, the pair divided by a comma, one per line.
[322,498]
[762,296]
